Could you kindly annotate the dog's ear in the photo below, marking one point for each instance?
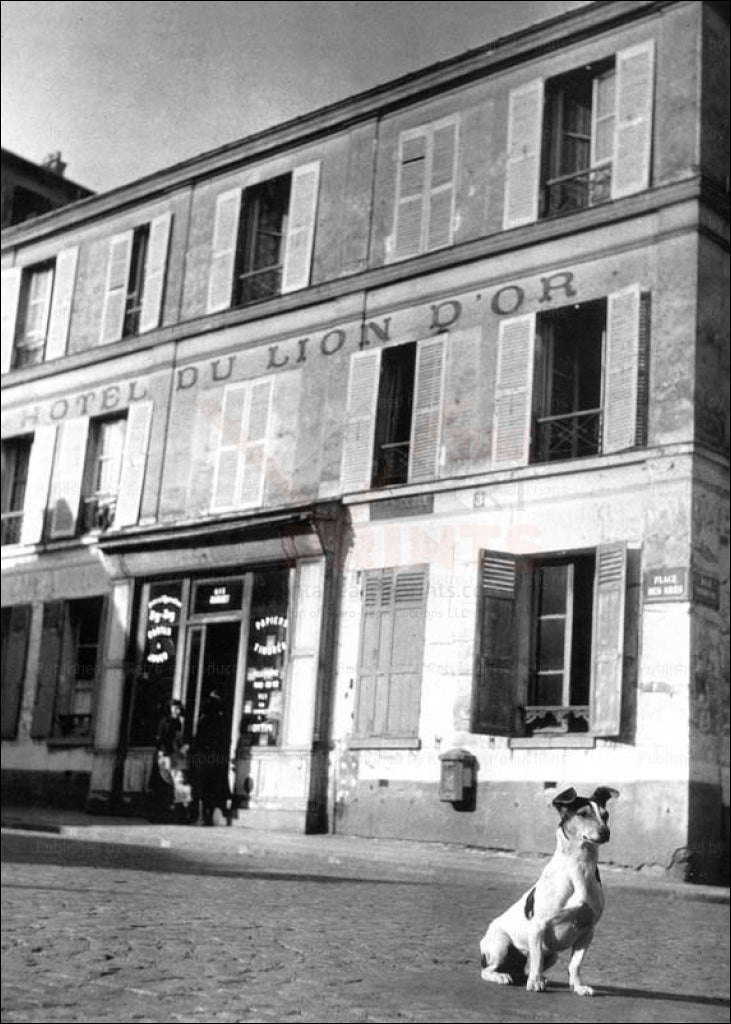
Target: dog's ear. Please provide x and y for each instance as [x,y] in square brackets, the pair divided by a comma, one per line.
[603,793]
[564,799]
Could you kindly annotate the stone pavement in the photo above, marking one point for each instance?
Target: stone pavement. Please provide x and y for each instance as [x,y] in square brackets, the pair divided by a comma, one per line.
[137,922]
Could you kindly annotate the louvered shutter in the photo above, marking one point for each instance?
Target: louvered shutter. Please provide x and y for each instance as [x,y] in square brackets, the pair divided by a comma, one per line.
[14,653]
[37,485]
[154,286]
[513,392]
[357,466]
[115,296]
[301,227]
[633,127]
[442,185]
[49,666]
[411,193]
[621,370]
[643,371]
[63,293]
[67,476]
[391,654]
[427,416]
[11,279]
[223,253]
[254,447]
[230,448]
[134,461]
[496,668]
[610,586]
[525,129]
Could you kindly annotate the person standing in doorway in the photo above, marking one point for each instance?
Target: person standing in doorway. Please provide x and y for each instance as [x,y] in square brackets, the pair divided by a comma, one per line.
[210,760]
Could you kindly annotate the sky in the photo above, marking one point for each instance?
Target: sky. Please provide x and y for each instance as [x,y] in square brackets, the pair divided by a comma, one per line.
[124,89]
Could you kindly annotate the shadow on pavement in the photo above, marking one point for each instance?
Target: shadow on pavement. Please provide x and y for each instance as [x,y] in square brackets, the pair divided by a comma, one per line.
[642,993]
[66,851]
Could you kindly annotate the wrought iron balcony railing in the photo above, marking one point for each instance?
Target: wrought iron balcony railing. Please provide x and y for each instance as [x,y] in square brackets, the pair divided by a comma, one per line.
[568,436]
[577,191]
[11,526]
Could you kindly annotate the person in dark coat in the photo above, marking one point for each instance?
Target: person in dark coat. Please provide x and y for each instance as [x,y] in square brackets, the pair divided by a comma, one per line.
[171,790]
[210,760]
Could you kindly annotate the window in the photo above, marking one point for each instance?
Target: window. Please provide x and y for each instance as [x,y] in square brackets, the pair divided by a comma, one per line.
[135,280]
[263,237]
[394,417]
[579,133]
[158,634]
[15,631]
[104,453]
[241,460]
[550,643]
[68,669]
[388,697]
[581,138]
[568,382]
[15,464]
[425,189]
[36,310]
[573,382]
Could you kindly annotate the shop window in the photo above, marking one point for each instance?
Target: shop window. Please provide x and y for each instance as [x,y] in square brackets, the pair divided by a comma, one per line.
[580,139]
[551,643]
[394,415]
[15,465]
[568,382]
[425,189]
[159,640]
[104,453]
[15,630]
[262,239]
[68,669]
[388,696]
[266,661]
[135,280]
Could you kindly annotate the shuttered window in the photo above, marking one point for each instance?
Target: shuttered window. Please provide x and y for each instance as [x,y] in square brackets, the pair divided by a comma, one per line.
[550,643]
[581,138]
[425,188]
[67,478]
[37,310]
[391,656]
[243,443]
[15,631]
[135,283]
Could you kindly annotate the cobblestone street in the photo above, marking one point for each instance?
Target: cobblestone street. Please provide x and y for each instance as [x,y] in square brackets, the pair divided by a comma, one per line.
[104,932]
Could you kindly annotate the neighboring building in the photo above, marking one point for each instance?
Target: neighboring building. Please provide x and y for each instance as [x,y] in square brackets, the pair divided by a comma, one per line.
[406,425]
[29,190]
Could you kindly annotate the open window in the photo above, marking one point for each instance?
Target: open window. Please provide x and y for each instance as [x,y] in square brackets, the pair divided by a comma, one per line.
[550,643]
[15,465]
[136,266]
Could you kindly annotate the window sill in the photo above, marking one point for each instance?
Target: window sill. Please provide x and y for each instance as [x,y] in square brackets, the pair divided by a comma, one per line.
[569,740]
[384,743]
[70,741]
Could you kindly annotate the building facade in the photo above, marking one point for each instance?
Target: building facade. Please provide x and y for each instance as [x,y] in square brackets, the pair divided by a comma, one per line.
[29,190]
[405,426]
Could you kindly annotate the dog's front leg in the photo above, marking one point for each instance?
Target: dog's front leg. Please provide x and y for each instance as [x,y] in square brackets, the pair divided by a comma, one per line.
[577,958]
[536,982]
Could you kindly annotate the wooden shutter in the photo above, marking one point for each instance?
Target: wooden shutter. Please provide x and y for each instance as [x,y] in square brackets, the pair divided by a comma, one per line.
[11,279]
[223,254]
[357,466]
[15,648]
[115,297]
[633,127]
[410,193]
[63,293]
[229,455]
[301,227]
[513,391]
[36,488]
[621,370]
[391,654]
[68,472]
[496,668]
[442,185]
[427,416]
[154,286]
[49,665]
[610,584]
[643,371]
[254,447]
[134,461]
[522,172]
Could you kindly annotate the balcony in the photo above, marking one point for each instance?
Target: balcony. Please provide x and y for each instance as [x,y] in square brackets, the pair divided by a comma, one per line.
[11,527]
[577,191]
[97,512]
[391,464]
[556,720]
[572,435]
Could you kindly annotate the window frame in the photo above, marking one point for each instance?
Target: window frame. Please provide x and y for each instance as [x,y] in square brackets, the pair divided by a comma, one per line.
[14,449]
[33,344]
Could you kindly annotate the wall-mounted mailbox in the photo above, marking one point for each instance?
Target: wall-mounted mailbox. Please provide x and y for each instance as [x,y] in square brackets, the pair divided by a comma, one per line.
[458,775]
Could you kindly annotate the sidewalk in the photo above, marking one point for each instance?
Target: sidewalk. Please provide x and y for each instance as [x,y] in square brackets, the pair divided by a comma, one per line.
[329,854]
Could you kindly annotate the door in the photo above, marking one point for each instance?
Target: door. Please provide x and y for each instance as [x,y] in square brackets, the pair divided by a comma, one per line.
[213,651]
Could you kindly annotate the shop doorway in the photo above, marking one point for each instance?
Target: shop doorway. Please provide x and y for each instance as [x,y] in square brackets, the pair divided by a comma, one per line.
[213,653]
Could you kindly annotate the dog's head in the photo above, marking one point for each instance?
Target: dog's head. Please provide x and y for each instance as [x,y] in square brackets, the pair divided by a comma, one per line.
[585,817]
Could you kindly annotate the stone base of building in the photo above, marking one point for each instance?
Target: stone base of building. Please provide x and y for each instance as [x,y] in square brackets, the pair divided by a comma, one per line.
[66,790]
